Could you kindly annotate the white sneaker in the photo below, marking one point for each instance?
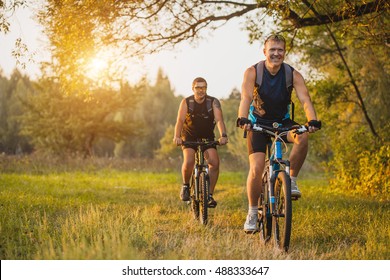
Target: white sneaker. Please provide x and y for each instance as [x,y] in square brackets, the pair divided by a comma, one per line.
[294,189]
[250,225]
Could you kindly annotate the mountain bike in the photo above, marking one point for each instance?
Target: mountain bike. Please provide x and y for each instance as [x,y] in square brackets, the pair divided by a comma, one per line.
[200,181]
[275,202]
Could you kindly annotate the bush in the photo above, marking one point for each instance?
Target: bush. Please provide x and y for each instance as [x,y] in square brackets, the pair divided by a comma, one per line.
[367,175]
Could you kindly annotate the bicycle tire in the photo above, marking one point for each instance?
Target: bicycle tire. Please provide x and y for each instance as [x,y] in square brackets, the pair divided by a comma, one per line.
[194,199]
[282,219]
[264,215]
[203,197]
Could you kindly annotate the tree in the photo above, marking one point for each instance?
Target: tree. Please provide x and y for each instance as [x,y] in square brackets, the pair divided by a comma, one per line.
[144,27]
[72,124]
[11,92]
[156,111]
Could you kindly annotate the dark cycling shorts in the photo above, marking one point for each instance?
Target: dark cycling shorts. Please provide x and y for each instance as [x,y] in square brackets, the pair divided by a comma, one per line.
[257,141]
[194,147]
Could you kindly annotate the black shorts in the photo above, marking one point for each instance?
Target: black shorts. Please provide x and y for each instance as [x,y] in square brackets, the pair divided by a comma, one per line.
[257,141]
[194,147]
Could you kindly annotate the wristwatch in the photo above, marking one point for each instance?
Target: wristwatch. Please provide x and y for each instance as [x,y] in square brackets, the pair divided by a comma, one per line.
[224,135]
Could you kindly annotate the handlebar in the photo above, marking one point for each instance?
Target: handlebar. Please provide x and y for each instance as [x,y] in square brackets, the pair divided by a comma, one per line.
[299,129]
[200,143]
[276,129]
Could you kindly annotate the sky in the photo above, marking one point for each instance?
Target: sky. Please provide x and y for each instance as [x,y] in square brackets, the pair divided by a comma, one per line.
[221,58]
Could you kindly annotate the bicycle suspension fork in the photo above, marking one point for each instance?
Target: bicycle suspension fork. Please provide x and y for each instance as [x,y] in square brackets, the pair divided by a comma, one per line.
[200,167]
[275,166]
[275,161]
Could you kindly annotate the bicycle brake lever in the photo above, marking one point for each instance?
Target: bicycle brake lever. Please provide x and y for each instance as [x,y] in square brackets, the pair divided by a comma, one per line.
[245,131]
[301,130]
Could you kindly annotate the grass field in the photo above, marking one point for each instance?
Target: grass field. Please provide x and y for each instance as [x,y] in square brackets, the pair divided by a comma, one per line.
[107,214]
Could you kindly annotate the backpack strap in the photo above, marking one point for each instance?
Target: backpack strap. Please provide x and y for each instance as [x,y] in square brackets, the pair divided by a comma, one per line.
[259,72]
[191,104]
[289,75]
[289,86]
[209,104]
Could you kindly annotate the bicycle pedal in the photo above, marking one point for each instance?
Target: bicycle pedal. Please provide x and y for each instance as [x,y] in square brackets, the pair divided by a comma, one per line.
[251,231]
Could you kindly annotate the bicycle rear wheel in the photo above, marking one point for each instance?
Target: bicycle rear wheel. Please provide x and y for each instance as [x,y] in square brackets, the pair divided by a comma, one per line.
[203,197]
[282,219]
[194,199]
[264,215]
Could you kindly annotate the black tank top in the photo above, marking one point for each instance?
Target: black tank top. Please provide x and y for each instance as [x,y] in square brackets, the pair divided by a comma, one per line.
[274,94]
[200,123]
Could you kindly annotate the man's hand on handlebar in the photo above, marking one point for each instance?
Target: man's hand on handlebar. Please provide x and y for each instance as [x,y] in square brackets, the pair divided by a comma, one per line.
[244,123]
[313,125]
[223,140]
[178,141]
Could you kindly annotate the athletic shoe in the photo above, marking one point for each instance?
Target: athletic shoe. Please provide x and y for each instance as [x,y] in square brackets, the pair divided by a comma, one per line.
[294,189]
[185,193]
[251,225]
[212,203]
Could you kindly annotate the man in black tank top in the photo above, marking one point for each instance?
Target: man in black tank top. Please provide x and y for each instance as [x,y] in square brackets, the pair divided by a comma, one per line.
[196,119]
[268,103]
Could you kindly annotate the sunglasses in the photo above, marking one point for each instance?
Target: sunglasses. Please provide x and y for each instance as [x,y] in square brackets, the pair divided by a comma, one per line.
[275,37]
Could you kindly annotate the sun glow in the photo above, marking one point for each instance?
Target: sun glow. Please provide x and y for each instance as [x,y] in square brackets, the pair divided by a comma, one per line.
[102,69]
[96,68]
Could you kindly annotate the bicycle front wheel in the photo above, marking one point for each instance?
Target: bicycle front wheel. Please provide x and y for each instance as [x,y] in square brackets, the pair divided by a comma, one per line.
[282,218]
[194,198]
[203,197]
[264,215]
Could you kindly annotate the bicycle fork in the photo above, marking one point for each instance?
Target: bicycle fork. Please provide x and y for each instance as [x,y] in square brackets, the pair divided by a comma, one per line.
[273,169]
[196,187]
[197,171]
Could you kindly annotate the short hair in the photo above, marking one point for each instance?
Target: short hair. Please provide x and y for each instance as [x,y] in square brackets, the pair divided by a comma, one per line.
[199,80]
[275,37]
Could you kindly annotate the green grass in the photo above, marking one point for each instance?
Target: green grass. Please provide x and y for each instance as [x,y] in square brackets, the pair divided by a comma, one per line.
[109,214]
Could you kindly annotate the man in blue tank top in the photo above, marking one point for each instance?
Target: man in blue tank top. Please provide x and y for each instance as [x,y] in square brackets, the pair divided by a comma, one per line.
[267,103]
[197,116]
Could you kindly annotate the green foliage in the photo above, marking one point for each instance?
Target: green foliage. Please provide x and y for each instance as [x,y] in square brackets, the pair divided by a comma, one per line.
[11,108]
[65,124]
[156,111]
[351,95]
[167,150]
[374,170]
[237,144]
[365,173]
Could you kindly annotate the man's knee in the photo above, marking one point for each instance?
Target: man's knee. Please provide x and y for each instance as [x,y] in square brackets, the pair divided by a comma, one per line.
[256,170]
[302,140]
[188,163]
[213,162]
